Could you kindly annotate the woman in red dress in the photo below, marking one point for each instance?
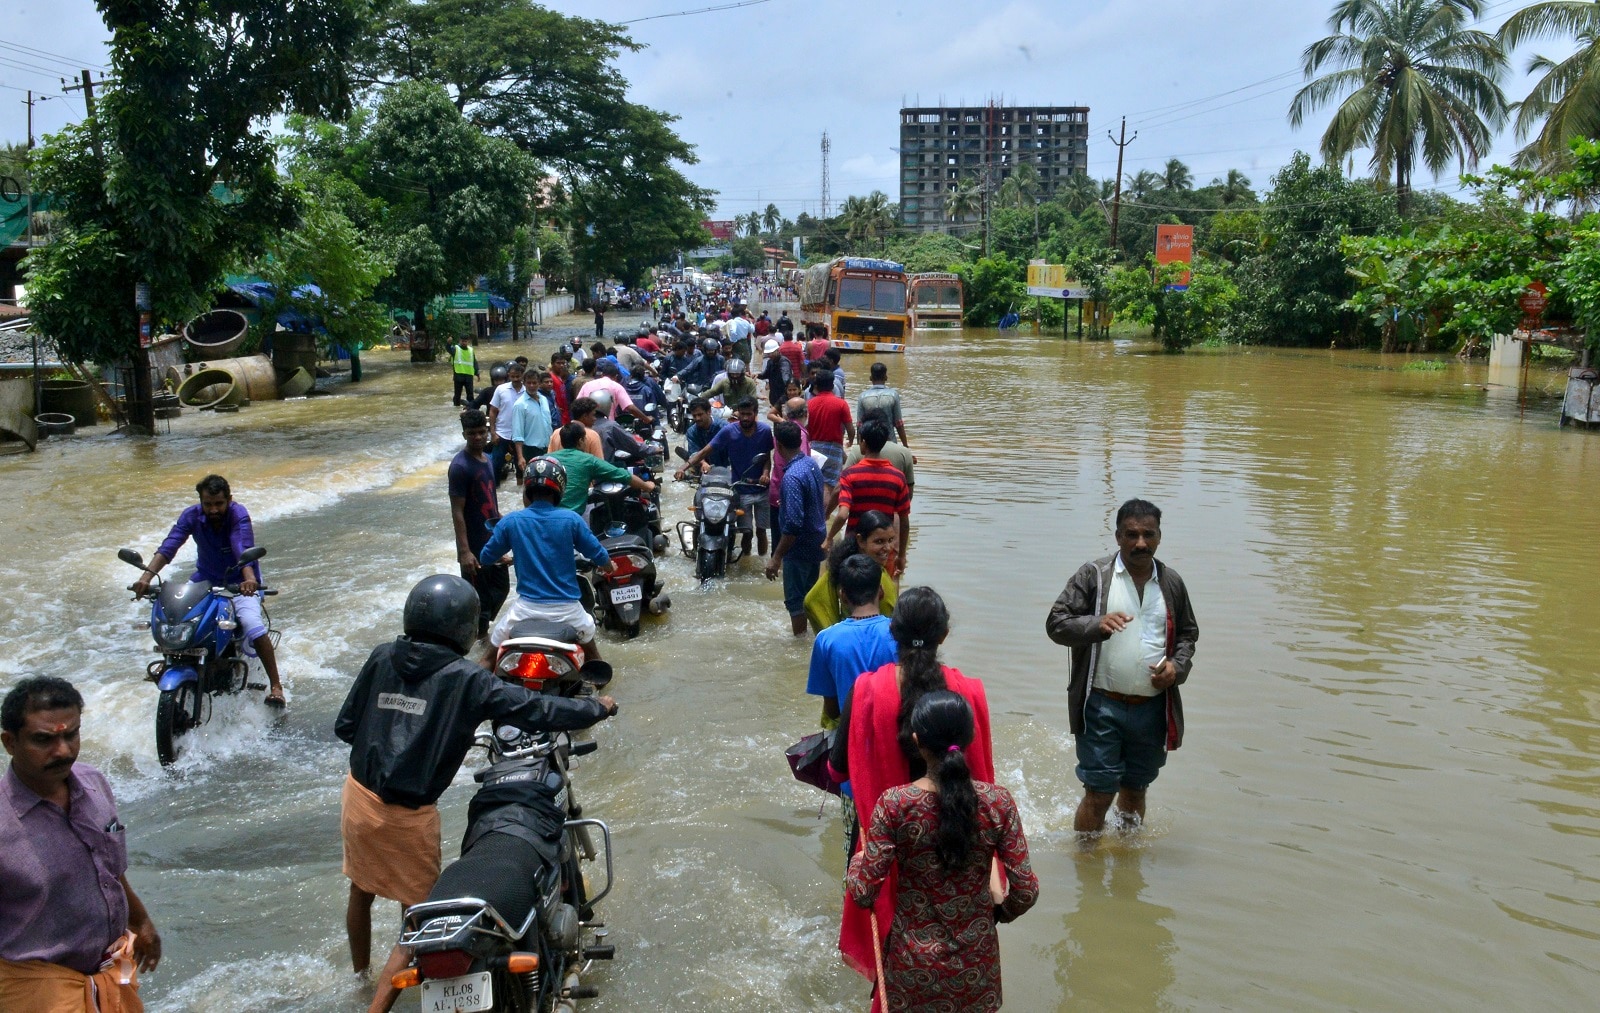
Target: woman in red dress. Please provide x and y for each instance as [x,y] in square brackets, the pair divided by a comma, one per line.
[873,749]
[942,833]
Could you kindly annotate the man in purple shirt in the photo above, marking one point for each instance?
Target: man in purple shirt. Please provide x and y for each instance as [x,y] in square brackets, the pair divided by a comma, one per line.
[67,912]
[221,532]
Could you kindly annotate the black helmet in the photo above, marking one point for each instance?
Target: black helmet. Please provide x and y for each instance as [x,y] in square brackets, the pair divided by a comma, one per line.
[499,375]
[549,473]
[444,608]
[736,367]
[711,346]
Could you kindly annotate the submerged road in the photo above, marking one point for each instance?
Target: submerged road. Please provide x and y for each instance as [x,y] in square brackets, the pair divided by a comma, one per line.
[1386,801]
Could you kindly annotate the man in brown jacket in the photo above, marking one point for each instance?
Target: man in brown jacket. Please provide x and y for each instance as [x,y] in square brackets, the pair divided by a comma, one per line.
[1131,649]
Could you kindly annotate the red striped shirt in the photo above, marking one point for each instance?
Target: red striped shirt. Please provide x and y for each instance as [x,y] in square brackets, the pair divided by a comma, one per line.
[872,483]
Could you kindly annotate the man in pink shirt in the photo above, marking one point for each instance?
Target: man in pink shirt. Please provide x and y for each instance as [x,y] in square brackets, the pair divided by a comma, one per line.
[606,380]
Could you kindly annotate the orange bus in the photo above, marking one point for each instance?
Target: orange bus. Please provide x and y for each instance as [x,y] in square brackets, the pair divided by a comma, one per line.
[935,300]
[861,302]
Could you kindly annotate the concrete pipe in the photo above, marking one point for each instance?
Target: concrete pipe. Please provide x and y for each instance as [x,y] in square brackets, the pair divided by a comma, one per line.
[218,333]
[298,384]
[208,387]
[253,373]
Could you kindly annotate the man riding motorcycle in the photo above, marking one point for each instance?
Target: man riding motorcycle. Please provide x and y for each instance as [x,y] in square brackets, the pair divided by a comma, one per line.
[222,532]
[410,719]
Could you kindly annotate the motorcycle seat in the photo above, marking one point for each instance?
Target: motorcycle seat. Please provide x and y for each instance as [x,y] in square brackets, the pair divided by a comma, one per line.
[499,869]
[624,543]
[543,629]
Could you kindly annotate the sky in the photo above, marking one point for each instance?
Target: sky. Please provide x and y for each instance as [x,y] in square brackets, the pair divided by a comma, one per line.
[757,82]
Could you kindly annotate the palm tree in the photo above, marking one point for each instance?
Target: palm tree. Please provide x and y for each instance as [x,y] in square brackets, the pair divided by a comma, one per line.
[752,223]
[1235,187]
[1141,184]
[771,218]
[1079,192]
[1176,176]
[1422,86]
[1567,95]
[964,199]
[1021,188]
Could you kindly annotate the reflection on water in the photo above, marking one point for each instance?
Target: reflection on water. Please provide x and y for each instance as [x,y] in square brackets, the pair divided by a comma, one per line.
[1393,753]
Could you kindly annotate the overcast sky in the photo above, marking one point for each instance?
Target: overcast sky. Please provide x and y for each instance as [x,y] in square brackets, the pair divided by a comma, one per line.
[1207,81]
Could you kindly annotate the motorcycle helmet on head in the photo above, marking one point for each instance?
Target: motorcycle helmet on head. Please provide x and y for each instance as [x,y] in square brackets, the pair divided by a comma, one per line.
[736,367]
[547,473]
[499,375]
[602,402]
[711,346]
[443,608]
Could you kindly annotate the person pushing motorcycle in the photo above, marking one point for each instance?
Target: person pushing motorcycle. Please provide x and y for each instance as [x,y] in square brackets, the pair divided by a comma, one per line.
[410,718]
[221,531]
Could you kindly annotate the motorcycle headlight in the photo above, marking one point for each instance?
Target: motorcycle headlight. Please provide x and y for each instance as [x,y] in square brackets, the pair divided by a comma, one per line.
[716,510]
[174,636]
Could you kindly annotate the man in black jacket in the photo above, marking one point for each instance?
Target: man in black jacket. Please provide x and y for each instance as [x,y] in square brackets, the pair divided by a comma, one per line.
[1132,632]
[410,720]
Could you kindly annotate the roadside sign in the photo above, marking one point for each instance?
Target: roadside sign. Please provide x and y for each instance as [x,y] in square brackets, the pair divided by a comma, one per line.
[1175,245]
[1535,299]
[1050,281]
[469,302]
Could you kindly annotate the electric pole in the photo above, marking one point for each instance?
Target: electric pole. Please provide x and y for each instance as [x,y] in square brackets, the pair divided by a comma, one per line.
[27,167]
[1116,202]
[827,146]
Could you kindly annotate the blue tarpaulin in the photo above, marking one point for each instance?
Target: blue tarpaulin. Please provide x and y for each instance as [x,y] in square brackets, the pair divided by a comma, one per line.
[260,293]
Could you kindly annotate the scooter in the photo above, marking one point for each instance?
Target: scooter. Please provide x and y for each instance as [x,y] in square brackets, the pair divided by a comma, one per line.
[546,657]
[677,405]
[621,518]
[510,925]
[202,649]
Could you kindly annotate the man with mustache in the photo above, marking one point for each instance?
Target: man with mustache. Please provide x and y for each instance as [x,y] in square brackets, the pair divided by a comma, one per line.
[1132,632]
[72,931]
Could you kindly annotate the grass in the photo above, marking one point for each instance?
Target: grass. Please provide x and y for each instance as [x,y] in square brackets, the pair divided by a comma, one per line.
[1424,366]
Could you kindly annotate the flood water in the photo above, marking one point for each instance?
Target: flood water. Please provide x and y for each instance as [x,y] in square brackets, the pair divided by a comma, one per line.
[1389,796]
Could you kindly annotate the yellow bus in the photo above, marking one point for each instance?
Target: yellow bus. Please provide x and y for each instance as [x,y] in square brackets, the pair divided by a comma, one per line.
[860,301]
[935,300]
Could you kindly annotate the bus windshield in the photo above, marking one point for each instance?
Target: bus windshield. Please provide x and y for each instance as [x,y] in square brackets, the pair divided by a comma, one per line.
[855,293]
[889,296]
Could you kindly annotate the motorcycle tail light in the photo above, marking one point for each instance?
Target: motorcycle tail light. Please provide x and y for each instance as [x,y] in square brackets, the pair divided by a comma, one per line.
[522,963]
[530,668]
[627,564]
[409,978]
[445,964]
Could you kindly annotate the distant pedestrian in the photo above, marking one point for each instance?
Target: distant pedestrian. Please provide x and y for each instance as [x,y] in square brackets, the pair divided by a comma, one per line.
[464,365]
[599,319]
[1132,632]
[501,454]
[942,833]
[829,425]
[834,359]
[73,934]
[474,506]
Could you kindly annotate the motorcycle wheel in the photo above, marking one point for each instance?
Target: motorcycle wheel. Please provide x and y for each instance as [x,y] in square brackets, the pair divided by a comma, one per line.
[632,630]
[177,711]
[705,566]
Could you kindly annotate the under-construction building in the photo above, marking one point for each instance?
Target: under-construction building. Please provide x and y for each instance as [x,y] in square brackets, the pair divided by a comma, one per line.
[943,148]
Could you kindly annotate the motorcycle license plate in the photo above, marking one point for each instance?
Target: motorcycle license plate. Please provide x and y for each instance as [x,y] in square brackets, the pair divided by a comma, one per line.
[458,995]
[633,592]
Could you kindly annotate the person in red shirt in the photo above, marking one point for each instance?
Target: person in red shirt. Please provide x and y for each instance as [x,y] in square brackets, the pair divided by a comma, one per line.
[829,427]
[818,344]
[795,352]
[560,377]
[872,483]
[648,343]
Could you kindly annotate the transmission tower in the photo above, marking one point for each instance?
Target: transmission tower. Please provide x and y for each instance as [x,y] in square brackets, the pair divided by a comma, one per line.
[826,147]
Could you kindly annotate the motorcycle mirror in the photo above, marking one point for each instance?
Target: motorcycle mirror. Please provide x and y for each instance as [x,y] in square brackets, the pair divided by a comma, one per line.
[251,554]
[681,452]
[650,408]
[130,557]
[596,673]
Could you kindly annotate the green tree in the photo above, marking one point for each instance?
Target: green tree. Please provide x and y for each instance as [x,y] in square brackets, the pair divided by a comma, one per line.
[868,218]
[1078,193]
[1234,188]
[1141,184]
[963,201]
[1293,287]
[513,272]
[1423,88]
[1564,104]
[1021,188]
[138,183]
[994,287]
[1176,176]
[1177,319]
[771,218]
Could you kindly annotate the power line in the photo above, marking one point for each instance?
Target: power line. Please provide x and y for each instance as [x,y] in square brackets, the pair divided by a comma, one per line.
[57,57]
[701,10]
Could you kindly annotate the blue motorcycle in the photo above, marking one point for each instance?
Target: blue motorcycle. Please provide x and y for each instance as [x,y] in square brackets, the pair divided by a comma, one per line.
[202,650]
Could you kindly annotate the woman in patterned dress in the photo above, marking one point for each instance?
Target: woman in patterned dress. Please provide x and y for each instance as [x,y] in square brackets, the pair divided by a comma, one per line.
[941,833]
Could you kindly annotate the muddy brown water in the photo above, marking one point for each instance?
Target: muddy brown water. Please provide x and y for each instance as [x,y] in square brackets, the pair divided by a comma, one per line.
[1389,797]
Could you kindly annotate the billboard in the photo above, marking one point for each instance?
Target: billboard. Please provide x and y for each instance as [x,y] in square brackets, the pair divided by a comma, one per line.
[1050,281]
[1175,245]
[720,231]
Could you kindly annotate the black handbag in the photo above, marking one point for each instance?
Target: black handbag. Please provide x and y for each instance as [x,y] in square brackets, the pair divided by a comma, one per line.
[808,759]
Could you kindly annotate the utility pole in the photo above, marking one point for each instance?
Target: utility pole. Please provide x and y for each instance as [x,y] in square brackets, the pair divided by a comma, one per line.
[1116,203]
[86,86]
[27,168]
[827,146]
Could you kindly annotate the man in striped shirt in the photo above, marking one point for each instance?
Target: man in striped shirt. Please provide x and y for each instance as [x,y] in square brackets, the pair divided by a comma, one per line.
[872,483]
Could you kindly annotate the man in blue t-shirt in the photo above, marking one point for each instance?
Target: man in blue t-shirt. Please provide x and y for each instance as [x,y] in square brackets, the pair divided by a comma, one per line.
[801,520]
[702,427]
[541,538]
[473,505]
[859,644]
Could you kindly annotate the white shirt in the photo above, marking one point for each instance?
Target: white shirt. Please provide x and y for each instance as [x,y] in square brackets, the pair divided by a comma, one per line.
[505,396]
[1125,658]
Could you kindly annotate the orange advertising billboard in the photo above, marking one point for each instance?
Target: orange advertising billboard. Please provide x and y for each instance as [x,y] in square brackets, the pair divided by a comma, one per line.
[1175,245]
